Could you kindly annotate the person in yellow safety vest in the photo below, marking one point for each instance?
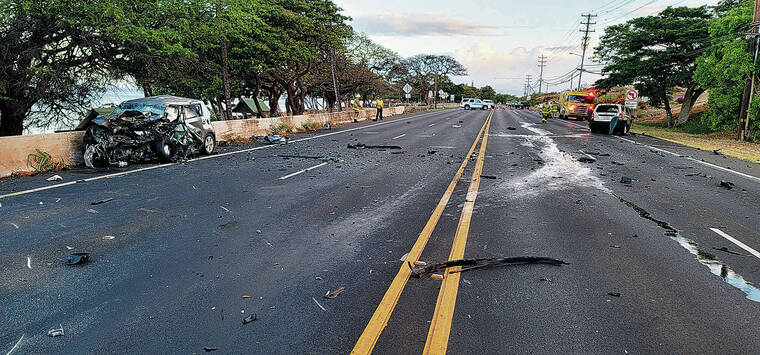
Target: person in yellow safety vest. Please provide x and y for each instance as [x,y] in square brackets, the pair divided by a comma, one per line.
[544,112]
[379,105]
[356,105]
[554,109]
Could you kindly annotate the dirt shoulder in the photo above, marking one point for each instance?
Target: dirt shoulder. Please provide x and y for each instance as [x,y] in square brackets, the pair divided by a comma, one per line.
[709,142]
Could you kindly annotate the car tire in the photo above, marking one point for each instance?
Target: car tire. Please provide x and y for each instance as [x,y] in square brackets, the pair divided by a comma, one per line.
[91,160]
[209,144]
[166,153]
[466,107]
[625,129]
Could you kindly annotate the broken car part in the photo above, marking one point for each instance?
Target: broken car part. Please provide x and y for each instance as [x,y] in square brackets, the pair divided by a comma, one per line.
[425,271]
[334,293]
[77,258]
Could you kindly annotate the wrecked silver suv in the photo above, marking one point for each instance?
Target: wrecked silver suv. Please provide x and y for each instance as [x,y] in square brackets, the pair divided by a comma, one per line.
[167,128]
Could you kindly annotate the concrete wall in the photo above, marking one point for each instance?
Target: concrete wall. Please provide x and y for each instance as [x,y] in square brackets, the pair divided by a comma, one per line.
[68,146]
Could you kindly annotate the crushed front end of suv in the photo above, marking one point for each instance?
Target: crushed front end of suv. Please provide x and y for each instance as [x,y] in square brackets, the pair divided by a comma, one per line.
[165,128]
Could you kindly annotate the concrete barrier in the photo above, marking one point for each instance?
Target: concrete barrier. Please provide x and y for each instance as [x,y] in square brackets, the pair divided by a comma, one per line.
[67,146]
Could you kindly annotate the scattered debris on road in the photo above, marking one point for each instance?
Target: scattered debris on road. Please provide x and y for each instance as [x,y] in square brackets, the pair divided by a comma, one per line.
[56,332]
[615,246]
[436,276]
[55,178]
[92,211]
[29,262]
[490,177]
[512,128]
[614,294]
[109,237]
[334,293]
[727,184]
[585,159]
[718,151]
[102,201]
[425,271]
[626,180]
[726,250]
[320,306]
[147,210]
[77,258]
[250,318]
[364,146]
[277,139]
[208,349]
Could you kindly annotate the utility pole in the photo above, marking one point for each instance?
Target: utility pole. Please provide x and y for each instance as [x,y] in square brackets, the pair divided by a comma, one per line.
[749,85]
[541,65]
[527,86]
[584,45]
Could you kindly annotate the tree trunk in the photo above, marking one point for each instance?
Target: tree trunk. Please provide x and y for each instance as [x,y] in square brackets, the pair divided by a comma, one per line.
[147,90]
[11,121]
[668,111]
[226,80]
[256,93]
[435,93]
[689,99]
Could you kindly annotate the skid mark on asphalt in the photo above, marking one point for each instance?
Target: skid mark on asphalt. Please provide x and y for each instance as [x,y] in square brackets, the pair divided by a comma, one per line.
[716,266]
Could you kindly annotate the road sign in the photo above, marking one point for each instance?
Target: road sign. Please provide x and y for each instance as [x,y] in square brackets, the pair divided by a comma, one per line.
[632,95]
[408,96]
[407,88]
[632,104]
[444,95]
[430,94]
[440,92]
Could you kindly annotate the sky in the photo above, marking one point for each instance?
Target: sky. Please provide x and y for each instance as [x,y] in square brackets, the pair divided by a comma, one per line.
[498,41]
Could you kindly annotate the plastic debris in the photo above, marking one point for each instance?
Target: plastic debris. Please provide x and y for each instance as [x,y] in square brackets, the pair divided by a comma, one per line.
[208,349]
[55,178]
[585,159]
[277,139]
[614,294]
[77,258]
[512,128]
[436,276]
[29,262]
[727,184]
[626,180]
[109,237]
[56,332]
[718,151]
[250,318]
[101,201]
[320,306]
[334,293]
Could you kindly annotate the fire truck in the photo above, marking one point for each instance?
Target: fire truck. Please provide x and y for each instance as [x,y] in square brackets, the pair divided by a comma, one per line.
[577,104]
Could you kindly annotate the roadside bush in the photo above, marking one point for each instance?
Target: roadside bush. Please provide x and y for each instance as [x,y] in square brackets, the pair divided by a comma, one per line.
[43,162]
[309,125]
[281,128]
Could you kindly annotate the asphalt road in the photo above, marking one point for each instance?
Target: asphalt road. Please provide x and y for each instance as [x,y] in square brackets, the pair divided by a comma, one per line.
[268,230]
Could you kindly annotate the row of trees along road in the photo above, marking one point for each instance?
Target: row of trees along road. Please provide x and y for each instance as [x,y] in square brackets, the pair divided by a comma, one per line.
[699,49]
[58,56]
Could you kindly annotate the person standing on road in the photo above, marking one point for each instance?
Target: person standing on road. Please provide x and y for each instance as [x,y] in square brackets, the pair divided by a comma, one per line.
[356,105]
[379,105]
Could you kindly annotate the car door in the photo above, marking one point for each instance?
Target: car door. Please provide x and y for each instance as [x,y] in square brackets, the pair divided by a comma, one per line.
[193,116]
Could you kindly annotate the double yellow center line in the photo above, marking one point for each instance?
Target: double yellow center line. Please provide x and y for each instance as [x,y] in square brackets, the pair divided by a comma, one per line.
[440,327]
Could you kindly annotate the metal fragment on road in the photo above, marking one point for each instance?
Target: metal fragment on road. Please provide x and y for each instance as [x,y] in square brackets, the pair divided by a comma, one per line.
[472,264]
[77,258]
[334,293]
[250,318]
[55,178]
[102,201]
[320,306]
[56,332]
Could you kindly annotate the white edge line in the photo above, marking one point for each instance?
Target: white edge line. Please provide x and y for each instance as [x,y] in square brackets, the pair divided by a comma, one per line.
[15,346]
[735,241]
[303,171]
[108,176]
[747,176]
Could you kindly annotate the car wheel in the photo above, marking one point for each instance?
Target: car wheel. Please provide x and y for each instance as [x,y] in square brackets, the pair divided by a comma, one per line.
[209,144]
[90,158]
[166,152]
[466,107]
[626,128]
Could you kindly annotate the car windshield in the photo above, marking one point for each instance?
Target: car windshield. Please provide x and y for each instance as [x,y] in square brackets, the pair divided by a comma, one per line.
[149,110]
[580,99]
[607,109]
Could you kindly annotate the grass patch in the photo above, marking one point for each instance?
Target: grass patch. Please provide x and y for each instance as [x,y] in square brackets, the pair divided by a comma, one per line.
[280,128]
[691,135]
[42,162]
[309,125]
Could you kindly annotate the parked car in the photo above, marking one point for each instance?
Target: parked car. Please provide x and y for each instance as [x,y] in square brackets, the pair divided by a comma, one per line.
[472,104]
[167,128]
[611,118]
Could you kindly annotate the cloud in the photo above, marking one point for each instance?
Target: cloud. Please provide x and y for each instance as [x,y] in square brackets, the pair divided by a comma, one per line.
[420,24]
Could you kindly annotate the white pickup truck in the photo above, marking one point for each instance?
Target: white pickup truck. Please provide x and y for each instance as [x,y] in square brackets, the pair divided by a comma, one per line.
[473,104]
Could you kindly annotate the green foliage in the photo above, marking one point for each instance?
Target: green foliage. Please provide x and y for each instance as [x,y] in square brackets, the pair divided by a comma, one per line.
[724,68]
[42,162]
[655,53]
[280,128]
[309,125]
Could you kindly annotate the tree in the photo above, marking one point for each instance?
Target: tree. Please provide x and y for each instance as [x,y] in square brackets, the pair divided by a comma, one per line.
[724,68]
[655,54]
[51,59]
[442,66]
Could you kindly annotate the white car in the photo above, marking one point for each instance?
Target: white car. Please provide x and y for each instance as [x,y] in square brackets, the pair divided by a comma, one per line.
[488,104]
[611,118]
[472,104]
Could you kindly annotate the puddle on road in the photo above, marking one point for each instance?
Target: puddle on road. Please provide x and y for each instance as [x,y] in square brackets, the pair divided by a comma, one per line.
[716,266]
